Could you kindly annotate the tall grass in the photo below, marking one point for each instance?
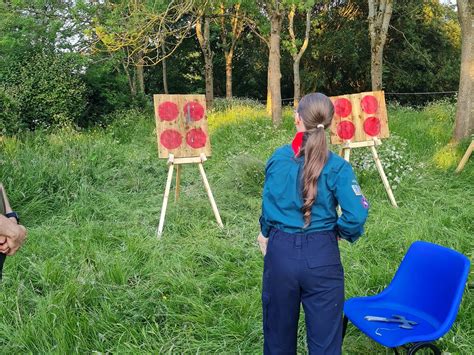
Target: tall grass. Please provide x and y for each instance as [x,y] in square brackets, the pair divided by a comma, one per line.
[93,278]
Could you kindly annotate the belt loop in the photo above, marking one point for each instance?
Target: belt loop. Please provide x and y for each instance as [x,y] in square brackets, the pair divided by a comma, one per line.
[298,238]
[273,233]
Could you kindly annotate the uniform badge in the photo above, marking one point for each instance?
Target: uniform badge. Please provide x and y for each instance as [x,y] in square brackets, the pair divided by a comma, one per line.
[357,190]
[365,203]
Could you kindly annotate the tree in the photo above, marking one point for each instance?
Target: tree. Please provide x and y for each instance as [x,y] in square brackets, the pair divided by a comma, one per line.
[295,53]
[380,12]
[204,38]
[138,29]
[230,38]
[464,124]
[276,14]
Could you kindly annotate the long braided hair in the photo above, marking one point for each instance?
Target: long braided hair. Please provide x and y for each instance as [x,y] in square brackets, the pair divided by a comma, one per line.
[316,110]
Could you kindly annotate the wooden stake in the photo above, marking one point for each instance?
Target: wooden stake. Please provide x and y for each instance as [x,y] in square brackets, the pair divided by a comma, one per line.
[178,182]
[211,197]
[386,184]
[465,157]
[347,153]
[166,195]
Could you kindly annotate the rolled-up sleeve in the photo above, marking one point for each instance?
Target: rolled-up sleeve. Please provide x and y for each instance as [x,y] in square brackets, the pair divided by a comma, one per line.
[354,205]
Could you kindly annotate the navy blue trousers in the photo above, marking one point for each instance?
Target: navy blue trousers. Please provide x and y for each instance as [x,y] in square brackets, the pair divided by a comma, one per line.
[302,268]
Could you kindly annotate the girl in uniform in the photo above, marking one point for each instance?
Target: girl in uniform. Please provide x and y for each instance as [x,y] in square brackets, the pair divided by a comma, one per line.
[300,228]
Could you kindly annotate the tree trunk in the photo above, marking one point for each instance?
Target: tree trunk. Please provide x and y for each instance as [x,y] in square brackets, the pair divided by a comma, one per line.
[204,42]
[380,12]
[376,59]
[165,74]
[274,66]
[131,81]
[209,69]
[296,82]
[228,74]
[140,77]
[297,54]
[269,93]
[464,124]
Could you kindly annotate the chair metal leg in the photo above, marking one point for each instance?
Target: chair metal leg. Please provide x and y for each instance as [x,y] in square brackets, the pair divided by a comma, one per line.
[418,346]
[344,326]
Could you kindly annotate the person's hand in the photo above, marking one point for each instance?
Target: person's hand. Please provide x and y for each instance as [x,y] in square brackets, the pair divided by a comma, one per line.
[14,243]
[15,235]
[262,243]
[3,244]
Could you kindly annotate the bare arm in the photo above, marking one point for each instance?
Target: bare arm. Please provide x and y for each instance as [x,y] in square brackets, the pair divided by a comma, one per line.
[12,235]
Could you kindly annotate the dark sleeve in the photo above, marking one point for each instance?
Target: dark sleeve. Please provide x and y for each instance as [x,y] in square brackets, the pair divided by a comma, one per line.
[354,206]
[264,224]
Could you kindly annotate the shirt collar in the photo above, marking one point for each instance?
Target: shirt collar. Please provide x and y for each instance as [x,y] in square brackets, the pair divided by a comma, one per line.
[297,142]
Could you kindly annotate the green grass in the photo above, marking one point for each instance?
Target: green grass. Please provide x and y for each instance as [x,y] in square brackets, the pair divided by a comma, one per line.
[93,278]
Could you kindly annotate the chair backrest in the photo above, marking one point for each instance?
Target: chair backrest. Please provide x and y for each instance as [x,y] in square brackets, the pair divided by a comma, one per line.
[431,279]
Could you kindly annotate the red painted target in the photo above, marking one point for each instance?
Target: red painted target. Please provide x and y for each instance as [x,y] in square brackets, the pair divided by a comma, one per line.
[345,130]
[194,110]
[170,139]
[343,107]
[372,126]
[168,111]
[369,104]
[196,138]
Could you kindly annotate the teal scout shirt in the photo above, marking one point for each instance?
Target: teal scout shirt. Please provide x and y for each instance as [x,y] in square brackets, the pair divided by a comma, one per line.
[282,197]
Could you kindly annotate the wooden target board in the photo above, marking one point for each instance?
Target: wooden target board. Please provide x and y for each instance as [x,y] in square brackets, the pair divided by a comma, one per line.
[359,117]
[181,126]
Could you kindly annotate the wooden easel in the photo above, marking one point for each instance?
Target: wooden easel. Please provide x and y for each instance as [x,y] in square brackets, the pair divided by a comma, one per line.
[172,161]
[465,157]
[346,153]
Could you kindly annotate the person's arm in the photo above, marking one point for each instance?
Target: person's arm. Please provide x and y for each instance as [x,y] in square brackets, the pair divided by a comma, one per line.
[12,234]
[354,206]
[262,238]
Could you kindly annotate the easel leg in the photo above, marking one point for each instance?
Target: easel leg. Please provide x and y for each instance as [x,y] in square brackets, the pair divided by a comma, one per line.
[211,197]
[386,184]
[465,157]
[178,183]
[347,153]
[165,200]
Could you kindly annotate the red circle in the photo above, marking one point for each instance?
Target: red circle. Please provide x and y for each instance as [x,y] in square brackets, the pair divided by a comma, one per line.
[194,110]
[369,104]
[372,126]
[196,138]
[171,139]
[168,111]
[342,107]
[345,130]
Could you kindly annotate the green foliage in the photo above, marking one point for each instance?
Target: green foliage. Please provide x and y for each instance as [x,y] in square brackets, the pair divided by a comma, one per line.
[424,50]
[44,91]
[107,91]
[223,104]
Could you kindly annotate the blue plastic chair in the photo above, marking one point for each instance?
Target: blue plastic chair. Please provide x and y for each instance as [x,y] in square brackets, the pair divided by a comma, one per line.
[427,289]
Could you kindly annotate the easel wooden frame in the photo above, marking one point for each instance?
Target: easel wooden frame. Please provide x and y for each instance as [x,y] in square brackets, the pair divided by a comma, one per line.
[465,157]
[172,161]
[346,153]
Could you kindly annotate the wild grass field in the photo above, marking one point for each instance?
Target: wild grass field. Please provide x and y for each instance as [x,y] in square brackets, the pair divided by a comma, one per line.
[93,278]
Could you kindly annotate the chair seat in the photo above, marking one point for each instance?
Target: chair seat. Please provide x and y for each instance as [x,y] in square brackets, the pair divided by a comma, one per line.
[390,334]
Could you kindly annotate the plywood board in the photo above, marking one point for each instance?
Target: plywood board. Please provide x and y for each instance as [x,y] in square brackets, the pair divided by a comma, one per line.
[359,117]
[181,125]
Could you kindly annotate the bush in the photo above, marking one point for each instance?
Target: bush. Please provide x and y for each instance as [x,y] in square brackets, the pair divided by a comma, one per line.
[223,104]
[9,111]
[42,92]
